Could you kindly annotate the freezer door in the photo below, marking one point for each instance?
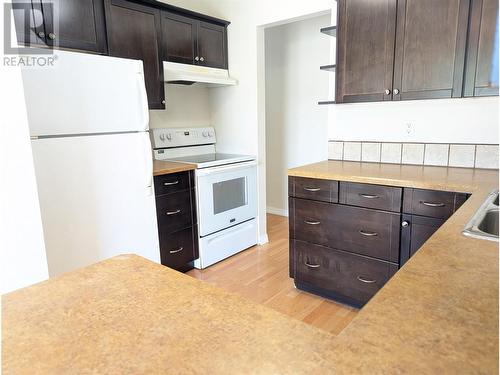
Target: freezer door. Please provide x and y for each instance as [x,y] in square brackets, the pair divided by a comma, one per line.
[86,94]
[96,198]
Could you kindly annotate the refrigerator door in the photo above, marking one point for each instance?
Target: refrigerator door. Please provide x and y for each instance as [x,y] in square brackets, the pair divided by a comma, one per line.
[86,94]
[96,198]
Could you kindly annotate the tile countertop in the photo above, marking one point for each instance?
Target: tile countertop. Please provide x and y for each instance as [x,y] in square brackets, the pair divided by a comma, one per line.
[161,167]
[439,313]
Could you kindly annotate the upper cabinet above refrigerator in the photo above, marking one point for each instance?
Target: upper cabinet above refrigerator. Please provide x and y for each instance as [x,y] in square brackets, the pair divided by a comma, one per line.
[67,24]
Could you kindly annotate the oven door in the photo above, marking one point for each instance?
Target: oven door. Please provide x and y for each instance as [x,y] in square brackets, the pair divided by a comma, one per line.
[227,195]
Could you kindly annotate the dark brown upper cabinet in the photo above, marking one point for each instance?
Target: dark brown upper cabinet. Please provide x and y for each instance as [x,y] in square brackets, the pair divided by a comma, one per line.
[179,38]
[188,40]
[481,73]
[67,24]
[365,50]
[134,32]
[430,49]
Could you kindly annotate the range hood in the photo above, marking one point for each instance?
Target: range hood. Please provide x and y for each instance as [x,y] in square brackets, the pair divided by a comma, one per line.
[185,74]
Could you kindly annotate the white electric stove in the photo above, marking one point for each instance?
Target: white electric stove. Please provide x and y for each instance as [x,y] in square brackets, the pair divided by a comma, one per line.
[226,190]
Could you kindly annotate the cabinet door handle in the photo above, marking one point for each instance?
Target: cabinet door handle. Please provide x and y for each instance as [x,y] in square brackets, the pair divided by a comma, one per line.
[312,265]
[41,34]
[367,234]
[387,92]
[176,250]
[433,204]
[52,36]
[202,59]
[312,189]
[369,196]
[169,213]
[312,222]
[170,183]
[196,58]
[367,281]
[396,92]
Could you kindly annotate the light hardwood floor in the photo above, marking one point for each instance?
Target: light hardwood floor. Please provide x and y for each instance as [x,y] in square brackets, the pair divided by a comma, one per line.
[261,274]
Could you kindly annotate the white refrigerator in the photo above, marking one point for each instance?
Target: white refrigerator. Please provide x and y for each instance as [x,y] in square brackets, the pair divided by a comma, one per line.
[88,118]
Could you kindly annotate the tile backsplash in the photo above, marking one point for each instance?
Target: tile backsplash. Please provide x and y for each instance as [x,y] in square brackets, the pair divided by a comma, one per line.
[437,154]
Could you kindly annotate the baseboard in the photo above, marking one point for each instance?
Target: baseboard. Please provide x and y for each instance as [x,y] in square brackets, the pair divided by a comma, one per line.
[277,211]
[263,239]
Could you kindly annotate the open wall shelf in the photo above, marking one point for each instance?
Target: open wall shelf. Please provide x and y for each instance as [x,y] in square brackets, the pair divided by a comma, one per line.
[330,30]
[328,68]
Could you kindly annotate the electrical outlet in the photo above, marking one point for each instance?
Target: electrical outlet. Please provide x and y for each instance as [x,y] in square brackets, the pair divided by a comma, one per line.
[409,128]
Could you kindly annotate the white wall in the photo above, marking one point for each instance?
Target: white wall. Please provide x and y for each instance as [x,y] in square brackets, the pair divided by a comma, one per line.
[187,106]
[238,113]
[296,127]
[23,260]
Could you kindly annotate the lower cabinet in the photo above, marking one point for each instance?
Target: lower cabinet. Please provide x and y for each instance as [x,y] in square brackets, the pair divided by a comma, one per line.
[176,217]
[347,249]
[337,274]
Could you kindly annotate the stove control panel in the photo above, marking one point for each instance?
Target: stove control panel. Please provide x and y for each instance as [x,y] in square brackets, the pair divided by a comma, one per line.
[182,137]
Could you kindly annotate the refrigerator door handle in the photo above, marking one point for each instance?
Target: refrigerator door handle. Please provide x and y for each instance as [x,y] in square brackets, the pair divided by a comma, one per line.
[143,97]
[148,152]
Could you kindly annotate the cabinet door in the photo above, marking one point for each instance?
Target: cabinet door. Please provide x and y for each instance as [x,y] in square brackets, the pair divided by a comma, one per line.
[430,49]
[212,45]
[415,231]
[365,50]
[75,24]
[133,32]
[481,75]
[179,36]
[29,23]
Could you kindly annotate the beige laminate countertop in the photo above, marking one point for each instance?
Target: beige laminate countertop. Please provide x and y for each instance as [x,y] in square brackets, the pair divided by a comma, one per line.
[161,167]
[126,315]
[439,313]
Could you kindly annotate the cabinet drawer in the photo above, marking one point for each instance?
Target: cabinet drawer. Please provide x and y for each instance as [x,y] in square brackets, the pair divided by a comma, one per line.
[172,183]
[440,204]
[371,196]
[355,277]
[315,189]
[177,249]
[174,212]
[358,230]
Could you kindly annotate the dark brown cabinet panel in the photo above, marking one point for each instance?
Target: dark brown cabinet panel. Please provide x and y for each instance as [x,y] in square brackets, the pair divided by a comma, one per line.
[179,38]
[133,32]
[176,218]
[365,50]
[371,196]
[430,49]
[415,231]
[68,24]
[212,50]
[75,24]
[439,204]
[314,189]
[363,231]
[349,277]
[481,77]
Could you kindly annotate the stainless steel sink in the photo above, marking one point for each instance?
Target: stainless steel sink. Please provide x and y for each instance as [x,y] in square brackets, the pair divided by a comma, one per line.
[484,223]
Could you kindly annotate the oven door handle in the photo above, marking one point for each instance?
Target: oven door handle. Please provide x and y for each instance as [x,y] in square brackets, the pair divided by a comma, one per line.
[225,168]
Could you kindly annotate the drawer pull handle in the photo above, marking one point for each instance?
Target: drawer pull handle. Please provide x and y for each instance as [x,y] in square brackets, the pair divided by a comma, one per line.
[173,212]
[170,183]
[369,196]
[367,281]
[312,189]
[433,204]
[312,265]
[368,234]
[312,222]
[176,250]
